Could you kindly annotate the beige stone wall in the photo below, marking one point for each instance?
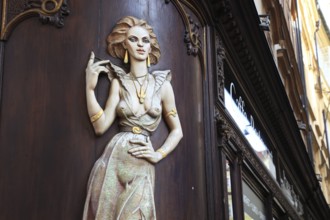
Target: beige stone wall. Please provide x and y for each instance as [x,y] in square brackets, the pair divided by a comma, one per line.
[287,17]
[315,73]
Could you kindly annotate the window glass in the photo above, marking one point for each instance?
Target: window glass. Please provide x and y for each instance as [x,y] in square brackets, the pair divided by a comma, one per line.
[236,107]
[229,191]
[254,208]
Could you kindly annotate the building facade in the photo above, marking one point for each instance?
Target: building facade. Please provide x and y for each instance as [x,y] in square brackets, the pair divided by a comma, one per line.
[315,44]
[283,40]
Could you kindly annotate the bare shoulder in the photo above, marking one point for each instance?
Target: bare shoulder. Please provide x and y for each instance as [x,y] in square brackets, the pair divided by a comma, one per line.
[167,91]
[167,87]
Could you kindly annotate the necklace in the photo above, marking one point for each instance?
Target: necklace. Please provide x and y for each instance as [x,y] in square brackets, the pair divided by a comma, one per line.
[140,94]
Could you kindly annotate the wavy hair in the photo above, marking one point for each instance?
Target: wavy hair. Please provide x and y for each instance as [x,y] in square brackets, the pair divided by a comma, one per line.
[118,36]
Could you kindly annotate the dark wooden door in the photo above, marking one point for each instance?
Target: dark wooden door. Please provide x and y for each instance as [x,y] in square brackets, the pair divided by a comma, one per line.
[47,144]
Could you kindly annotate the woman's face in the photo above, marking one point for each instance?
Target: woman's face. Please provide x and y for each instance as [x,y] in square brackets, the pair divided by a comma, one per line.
[138,43]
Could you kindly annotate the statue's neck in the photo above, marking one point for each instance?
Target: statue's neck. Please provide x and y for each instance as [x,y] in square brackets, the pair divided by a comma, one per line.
[139,68]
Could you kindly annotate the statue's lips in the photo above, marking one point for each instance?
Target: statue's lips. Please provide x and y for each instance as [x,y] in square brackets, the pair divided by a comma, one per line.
[140,51]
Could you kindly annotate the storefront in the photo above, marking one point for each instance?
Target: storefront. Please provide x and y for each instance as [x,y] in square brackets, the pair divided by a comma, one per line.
[268,174]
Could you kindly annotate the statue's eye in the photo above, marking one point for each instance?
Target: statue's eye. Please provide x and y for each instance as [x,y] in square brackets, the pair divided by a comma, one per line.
[146,40]
[132,39]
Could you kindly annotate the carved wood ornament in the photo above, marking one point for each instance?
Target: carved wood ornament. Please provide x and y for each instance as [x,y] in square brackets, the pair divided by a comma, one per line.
[192,36]
[15,11]
[220,56]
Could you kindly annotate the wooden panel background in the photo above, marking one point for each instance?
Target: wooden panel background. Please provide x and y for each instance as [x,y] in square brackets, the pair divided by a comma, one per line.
[47,145]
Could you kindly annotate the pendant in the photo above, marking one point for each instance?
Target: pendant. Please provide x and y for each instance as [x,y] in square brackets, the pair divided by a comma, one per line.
[141,95]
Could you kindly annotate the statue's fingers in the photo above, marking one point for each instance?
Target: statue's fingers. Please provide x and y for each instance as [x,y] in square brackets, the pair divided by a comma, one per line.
[136,150]
[91,59]
[140,142]
[100,63]
[101,69]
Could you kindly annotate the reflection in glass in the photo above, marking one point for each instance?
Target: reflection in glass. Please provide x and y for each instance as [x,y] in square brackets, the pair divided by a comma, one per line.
[229,192]
[254,208]
[246,125]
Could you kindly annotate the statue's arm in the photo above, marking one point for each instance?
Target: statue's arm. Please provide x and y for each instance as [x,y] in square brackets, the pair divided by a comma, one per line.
[172,120]
[101,119]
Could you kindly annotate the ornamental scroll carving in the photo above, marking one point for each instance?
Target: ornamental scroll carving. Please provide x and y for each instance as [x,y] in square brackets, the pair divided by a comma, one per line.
[220,56]
[192,37]
[15,11]
[228,134]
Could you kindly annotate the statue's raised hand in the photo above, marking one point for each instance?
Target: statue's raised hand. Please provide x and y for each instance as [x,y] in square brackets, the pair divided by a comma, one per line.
[93,70]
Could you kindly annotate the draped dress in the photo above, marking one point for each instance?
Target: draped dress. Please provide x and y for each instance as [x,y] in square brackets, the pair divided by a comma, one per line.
[121,186]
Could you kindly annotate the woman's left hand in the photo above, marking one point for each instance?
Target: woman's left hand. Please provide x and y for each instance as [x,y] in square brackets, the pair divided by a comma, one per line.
[144,150]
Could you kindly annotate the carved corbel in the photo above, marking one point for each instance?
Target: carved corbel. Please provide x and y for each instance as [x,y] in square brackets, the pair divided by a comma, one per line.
[15,11]
[240,157]
[223,129]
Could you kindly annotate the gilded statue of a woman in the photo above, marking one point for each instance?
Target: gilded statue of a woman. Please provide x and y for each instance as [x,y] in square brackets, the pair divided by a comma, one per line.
[121,183]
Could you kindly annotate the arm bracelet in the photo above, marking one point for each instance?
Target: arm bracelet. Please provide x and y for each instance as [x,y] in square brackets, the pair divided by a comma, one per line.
[173,112]
[162,152]
[96,117]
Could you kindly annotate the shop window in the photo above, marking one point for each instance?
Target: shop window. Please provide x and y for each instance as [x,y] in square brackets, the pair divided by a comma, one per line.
[254,207]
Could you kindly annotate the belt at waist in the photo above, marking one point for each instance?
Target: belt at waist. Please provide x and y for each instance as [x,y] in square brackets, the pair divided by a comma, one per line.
[135,130]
